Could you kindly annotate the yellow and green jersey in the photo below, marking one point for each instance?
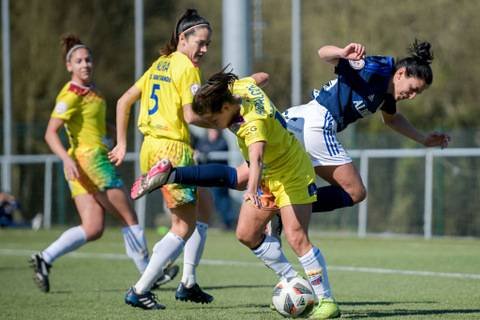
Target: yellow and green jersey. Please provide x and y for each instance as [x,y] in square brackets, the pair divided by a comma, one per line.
[287,172]
[83,111]
[167,86]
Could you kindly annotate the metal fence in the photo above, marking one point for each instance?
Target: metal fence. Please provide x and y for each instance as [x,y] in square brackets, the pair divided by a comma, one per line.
[363,158]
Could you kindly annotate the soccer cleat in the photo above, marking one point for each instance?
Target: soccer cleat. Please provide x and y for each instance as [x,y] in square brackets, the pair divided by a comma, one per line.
[40,271]
[169,273]
[156,177]
[147,300]
[194,294]
[327,308]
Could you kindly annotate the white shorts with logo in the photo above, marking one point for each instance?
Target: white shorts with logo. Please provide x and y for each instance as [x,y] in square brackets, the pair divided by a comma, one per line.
[313,125]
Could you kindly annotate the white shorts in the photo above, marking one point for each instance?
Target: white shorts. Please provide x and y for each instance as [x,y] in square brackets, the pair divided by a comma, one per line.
[313,125]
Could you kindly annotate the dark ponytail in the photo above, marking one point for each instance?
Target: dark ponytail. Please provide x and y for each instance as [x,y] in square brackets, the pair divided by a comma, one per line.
[212,95]
[417,64]
[186,23]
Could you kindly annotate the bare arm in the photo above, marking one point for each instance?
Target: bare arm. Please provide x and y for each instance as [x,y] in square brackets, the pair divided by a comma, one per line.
[124,106]
[332,54]
[401,124]
[192,118]
[255,156]
[55,144]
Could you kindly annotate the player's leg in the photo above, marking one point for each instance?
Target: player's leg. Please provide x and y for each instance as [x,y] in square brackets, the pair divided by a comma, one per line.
[208,175]
[346,187]
[296,219]
[188,289]
[314,126]
[164,252]
[250,231]
[115,201]
[92,217]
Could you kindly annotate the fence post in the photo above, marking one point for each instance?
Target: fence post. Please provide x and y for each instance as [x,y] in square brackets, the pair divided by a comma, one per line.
[362,210]
[47,195]
[427,214]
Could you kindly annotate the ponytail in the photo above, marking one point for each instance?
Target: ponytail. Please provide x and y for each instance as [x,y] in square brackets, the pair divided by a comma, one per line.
[417,63]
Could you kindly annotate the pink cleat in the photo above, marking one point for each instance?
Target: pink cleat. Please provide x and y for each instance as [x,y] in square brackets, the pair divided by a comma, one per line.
[155,178]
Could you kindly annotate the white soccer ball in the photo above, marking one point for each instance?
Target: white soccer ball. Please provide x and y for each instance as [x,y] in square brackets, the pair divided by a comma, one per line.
[293,298]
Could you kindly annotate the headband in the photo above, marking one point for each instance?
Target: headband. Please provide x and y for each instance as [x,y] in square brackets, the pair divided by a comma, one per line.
[75,47]
[197,25]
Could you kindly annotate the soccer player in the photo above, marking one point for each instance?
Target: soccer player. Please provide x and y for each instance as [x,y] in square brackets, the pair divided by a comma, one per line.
[364,85]
[279,168]
[93,181]
[166,92]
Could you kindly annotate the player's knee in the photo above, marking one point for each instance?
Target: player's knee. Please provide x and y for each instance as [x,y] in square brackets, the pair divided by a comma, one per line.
[247,238]
[93,232]
[359,194]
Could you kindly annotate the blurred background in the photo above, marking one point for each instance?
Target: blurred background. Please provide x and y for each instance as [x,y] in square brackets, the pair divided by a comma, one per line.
[418,192]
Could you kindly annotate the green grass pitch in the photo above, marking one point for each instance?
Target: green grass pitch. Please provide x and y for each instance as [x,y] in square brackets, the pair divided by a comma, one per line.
[372,278]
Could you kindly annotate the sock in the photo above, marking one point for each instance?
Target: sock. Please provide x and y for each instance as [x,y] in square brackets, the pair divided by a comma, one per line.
[330,198]
[136,246]
[316,270]
[70,240]
[193,253]
[207,175]
[270,252]
[164,251]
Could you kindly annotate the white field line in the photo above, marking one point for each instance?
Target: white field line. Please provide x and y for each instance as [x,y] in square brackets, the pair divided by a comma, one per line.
[233,263]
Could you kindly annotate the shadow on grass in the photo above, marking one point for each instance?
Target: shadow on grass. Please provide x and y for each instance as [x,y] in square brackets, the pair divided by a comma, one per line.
[407,312]
[382,303]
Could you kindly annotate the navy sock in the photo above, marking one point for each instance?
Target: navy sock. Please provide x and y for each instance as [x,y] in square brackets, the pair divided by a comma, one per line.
[207,175]
[330,198]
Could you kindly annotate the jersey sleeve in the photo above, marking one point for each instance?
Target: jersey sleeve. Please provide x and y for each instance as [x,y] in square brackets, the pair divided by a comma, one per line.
[189,83]
[389,105]
[65,106]
[141,82]
[253,131]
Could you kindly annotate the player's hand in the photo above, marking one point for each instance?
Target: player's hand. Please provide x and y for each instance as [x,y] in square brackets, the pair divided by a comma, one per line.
[353,51]
[70,169]
[437,139]
[253,198]
[117,154]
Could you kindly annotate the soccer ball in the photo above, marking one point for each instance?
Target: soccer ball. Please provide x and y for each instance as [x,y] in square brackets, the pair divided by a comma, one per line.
[293,298]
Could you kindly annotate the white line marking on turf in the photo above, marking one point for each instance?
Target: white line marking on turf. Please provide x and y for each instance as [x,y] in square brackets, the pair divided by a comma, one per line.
[233,263]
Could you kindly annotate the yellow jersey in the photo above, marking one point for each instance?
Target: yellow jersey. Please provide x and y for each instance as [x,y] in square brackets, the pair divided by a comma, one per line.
[260,120]
[166,87]
[83,111]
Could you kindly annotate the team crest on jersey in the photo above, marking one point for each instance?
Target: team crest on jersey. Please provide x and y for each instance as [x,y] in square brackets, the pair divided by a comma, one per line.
[357,64]
[61,107]
[194,88]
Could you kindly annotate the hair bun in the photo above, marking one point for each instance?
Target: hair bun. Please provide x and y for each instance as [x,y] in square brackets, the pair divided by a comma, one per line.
[421,51]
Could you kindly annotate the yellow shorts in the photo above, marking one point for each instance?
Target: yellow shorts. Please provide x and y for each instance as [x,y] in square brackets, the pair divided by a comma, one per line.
[97,173]
[292,183]
[180,154]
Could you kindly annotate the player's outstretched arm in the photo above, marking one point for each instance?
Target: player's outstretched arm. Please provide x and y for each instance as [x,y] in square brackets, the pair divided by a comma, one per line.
[403,126]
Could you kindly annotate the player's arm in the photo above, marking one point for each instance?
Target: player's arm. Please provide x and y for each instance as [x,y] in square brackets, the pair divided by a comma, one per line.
[192,118]
[55,144]
[332,54]
[124,106]
[255,157]
[403,126]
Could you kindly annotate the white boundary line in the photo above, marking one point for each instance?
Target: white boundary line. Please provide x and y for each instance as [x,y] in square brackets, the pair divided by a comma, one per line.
[233,263]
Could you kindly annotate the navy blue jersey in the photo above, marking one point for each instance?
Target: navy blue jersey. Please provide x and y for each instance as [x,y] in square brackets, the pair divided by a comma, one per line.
[359,90]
